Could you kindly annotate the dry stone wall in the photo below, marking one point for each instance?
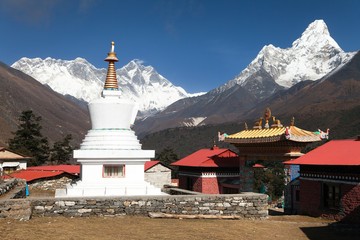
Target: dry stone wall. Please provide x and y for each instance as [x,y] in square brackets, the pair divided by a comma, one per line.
[250,205]
[51,184]
[7,185]
[15,188]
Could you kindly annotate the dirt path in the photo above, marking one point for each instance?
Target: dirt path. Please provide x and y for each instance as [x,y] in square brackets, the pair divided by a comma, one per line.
[276,227]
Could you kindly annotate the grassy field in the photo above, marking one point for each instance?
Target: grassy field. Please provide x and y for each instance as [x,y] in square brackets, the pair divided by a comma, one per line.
[127,227]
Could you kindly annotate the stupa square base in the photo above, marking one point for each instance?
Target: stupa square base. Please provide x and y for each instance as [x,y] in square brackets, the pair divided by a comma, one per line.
[125,189]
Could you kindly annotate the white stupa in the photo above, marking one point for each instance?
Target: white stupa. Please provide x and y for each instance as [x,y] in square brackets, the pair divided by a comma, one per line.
[111,158]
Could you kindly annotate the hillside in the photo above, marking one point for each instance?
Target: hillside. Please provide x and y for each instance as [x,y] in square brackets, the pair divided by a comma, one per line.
[274,70]
[20,92]
[186,140]
[332,102]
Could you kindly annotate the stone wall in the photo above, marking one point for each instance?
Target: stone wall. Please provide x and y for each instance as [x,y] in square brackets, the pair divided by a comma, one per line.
[350,202]
[7,185]
[54,183]
[247,205]
[246,176]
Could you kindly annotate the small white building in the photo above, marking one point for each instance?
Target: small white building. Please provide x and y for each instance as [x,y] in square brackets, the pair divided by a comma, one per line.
[112,161]
[157,173]
[11,161]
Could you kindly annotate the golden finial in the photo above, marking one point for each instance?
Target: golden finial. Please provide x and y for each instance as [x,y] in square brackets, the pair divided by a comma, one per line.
[276,122]
[246,126]
[111,81]
[292,123]
[267,113]
[267,116]
[258,124]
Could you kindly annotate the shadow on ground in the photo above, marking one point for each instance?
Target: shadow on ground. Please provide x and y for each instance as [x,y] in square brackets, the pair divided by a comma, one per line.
[276,212]
[336,231]
[331,231]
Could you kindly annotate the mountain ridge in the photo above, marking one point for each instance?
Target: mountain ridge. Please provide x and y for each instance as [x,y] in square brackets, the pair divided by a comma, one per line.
[80,79]
[313,55]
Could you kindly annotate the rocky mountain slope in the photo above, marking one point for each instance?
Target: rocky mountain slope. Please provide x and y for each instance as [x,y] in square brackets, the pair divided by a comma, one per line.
[60,116]
[332,102]
[311,57]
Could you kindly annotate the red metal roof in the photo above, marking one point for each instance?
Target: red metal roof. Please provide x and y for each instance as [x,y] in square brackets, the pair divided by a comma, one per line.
[150,164]
[30,175]
[213,157]
[72,169]
[335,152]
[38,172]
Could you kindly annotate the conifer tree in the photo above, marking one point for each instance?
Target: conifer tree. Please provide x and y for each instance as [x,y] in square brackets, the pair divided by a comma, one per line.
[62,150]
[167,156]
[28,139]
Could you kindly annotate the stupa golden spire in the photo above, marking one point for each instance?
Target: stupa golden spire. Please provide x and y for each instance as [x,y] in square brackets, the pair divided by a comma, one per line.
[111,81]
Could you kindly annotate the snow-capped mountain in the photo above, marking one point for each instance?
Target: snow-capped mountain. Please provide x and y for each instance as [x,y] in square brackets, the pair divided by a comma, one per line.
[310,57]
[80,79]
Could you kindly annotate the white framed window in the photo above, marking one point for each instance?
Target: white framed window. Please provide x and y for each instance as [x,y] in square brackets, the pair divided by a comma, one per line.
[113,171]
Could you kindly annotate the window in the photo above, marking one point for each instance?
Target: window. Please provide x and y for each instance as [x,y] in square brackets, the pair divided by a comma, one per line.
[9,170]
[113,171]
[331,193]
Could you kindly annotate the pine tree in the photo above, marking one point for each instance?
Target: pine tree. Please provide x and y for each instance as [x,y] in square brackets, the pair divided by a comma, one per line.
[62,150]
[167,156]
[28,139]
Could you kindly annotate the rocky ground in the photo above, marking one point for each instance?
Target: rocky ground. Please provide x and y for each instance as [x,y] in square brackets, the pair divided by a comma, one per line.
[278,226]
[127,227]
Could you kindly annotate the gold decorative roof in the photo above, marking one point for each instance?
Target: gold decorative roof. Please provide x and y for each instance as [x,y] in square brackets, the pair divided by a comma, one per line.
[273,134]
[111,82]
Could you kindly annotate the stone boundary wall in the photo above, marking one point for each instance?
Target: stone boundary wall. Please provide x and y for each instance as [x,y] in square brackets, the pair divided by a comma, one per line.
[52,183]
[242,205]
[246,205]
[8,185]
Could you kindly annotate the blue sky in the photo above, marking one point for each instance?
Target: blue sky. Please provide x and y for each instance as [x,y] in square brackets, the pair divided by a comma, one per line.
[196,44]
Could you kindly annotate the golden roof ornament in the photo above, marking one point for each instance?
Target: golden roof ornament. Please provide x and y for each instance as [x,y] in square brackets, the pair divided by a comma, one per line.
[267,116]
[292,123]
[258,124]
[276,122]
[111,82]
